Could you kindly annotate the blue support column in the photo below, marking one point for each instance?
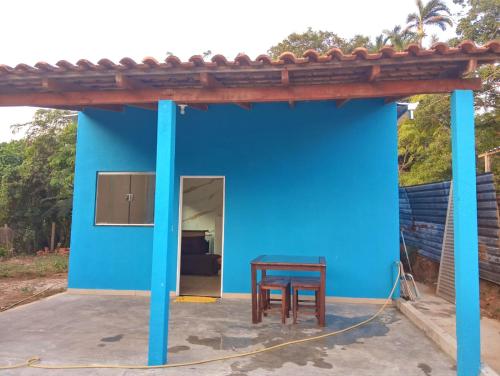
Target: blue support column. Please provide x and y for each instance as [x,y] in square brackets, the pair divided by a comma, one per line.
[163,230]
[465,228]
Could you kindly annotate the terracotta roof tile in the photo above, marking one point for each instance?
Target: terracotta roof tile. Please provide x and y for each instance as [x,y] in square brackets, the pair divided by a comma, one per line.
[173,61]
[311,68]
[150,62]
[106,63]
[219,60]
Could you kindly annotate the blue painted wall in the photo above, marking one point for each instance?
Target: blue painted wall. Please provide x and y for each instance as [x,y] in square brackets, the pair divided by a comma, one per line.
[314,179]
[110,257]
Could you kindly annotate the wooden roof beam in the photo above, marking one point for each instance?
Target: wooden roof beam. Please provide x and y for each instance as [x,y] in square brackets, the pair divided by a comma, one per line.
[245,106]
[341,102]
[285,77]
[393,99]
[107,107]
[50,84]
[208,80]
[199,106]
[127,83]
[374,73]
[146,106]
[470,67]
[246,95]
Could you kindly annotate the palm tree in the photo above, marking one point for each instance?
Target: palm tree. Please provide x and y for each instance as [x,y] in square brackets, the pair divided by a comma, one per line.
[380,41]
[434,13]
[400,38]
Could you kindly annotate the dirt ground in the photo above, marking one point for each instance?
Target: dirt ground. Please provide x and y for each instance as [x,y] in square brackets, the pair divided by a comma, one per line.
[426,271]
[29,278]
[22,290]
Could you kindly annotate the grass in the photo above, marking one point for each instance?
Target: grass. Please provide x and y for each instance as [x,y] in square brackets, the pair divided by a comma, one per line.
[33,266]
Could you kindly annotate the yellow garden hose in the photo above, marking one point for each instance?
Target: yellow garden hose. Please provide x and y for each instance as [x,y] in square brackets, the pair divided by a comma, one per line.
[34,362]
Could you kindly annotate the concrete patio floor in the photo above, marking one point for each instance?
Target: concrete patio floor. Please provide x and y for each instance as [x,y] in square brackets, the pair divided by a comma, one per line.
[83,329]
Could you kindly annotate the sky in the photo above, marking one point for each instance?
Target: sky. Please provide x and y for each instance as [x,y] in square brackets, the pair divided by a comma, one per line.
[52,30]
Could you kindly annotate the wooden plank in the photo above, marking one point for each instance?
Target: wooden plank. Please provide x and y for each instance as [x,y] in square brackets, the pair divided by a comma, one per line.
[108,107]
[470,67]
[285,78]
[245,106]
[374,73]
[245,95]
[207,80]
[51,84]
[146,106]
[199,106]
[341,102]
[127,83]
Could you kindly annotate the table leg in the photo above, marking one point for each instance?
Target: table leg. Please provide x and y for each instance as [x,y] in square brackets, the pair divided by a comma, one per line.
[322,298]
[255,319]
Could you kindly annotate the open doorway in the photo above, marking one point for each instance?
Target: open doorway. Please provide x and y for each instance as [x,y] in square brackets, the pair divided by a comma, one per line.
[201,236]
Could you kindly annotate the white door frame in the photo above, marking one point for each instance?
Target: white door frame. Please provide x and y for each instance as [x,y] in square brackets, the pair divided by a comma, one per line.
[179,231]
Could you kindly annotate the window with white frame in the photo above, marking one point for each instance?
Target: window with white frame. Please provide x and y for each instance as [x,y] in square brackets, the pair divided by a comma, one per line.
[125,198]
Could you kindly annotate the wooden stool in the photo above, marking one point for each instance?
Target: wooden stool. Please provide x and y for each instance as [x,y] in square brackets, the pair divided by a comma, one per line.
[308,284]
[274,283]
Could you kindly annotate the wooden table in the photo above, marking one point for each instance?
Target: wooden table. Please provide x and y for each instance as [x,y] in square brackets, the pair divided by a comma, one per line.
[292,263]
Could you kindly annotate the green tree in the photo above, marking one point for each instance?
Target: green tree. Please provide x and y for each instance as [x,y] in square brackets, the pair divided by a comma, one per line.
[480,23]
[296,43]
[399,38]
[434,13]
[320,40]
[424,150]
[37,179]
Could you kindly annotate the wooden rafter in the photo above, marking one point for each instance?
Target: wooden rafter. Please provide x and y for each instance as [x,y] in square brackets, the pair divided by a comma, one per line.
[127,83]
[374,73]
[147,106]
[108,107]
[54,85]
[340,102]
[244,105]
[393,99]
[199,106]
[470,67]
[285,78]
[208,80]
[243,94]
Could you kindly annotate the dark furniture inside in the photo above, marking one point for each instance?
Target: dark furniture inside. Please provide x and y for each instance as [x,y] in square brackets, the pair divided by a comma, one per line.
[195,256]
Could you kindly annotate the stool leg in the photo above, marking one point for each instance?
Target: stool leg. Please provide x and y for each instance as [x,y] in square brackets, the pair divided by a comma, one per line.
[295,307]
[283,305]
[288,301]
[316,305]
[260,304]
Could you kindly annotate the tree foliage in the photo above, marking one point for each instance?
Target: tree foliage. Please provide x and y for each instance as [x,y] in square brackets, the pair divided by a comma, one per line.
[36,183]
[433,13]
[320,40]
[424,143]
[480,23]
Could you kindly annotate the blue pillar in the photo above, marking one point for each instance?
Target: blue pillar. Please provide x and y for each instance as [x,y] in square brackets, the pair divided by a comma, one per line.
[465,229]
[163,230]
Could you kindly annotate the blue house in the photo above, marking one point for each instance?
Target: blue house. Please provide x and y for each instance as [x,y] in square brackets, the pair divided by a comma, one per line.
[301,154]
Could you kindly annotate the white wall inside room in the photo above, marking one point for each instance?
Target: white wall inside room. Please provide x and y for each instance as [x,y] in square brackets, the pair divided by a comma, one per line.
[202,208]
